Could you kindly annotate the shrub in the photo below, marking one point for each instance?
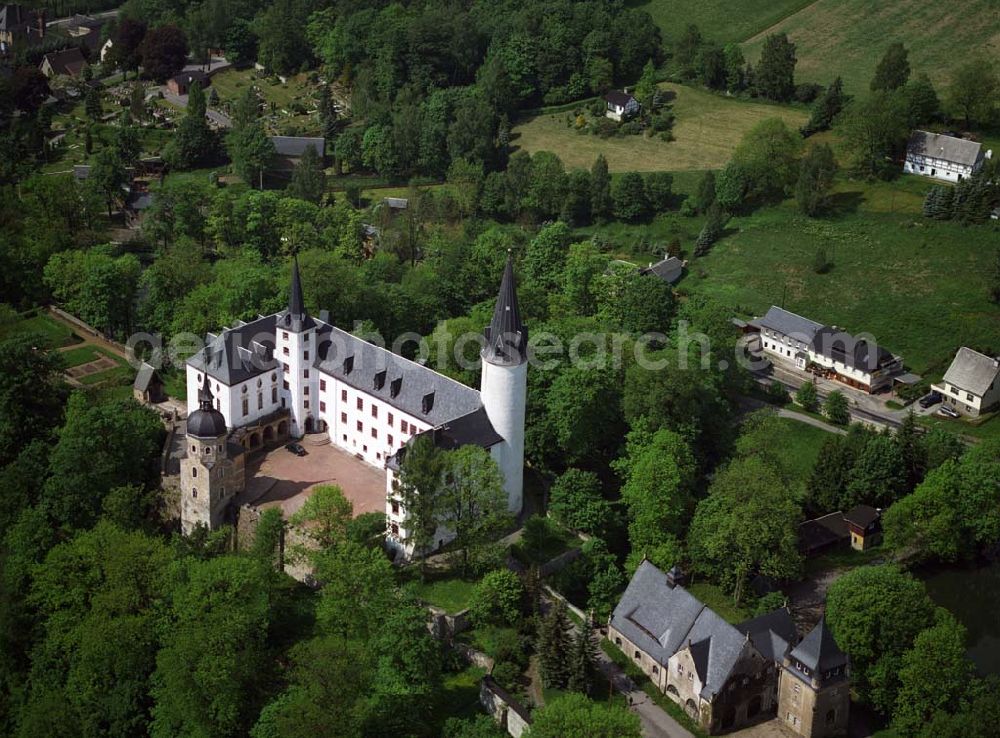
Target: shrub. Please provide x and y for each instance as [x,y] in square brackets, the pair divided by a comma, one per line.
[806,396]
[497,599]
[835,408]
[777,393]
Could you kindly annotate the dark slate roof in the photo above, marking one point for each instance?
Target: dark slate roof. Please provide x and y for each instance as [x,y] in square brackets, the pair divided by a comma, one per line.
[81,171]
[206,421]
[972,371]
[473,429]
[661,620]
[506,335]
[669,269]
[144,377]
[818,651]
[296,145]
[295,318]
[822,532]
[68,61]
[857,353]
[191,76]
[772,634]
[239,353]
[788,323]
[947,148]
[406,385]
[862,515]
[619,98]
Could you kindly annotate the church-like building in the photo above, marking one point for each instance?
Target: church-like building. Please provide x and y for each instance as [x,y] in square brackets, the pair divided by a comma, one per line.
[284,375]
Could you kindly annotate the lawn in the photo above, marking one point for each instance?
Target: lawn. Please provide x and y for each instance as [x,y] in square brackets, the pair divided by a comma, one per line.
[918,286]
[80,355]
[707,130]
[451,595]
[718,20]
[54,334]
[848,37]
[459,696]
[798,446]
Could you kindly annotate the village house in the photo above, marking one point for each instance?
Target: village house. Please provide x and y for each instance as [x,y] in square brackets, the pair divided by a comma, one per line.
[289,374]
[828,351]
[68,62]
[860,527]
[943,157]
[620,105]
[728,676]
[181,84]
[971,385]
[148,387]
[669,269]
[20,25]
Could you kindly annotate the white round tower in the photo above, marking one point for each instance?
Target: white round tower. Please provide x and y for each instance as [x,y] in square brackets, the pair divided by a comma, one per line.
[504,386]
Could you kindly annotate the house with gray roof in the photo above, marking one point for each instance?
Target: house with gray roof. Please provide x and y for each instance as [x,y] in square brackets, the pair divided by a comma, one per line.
[787,335]
[943,157]
[288,150]
[291,374]
[723,675]
[669,269]
[971,385]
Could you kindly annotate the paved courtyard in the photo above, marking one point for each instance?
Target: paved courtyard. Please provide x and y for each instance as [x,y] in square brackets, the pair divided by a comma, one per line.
[279,478]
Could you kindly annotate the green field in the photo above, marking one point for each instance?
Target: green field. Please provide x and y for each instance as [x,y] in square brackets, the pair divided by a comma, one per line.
[707,130]
[847,37]
[918,286]
[451,595]
[798,445]
[54,334]
[720,20]
[81,355]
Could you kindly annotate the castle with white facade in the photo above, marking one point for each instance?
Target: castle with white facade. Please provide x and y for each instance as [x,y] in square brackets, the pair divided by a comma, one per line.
[284,375]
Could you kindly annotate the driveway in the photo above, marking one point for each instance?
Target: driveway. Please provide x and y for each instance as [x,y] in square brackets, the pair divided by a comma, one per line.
[279,478]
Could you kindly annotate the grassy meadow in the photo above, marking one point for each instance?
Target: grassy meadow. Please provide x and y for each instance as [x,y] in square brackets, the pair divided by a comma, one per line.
[719,20]
[707,130]
[799,445]
[847,37]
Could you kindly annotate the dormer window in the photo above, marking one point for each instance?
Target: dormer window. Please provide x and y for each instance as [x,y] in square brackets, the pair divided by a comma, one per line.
[348,365]
[395,386]
[427,403]
[379,380]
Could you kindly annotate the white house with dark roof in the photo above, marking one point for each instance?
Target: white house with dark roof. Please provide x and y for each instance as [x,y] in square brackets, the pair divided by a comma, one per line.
[856,361]
[724,676]
[289,374]
[620,105]
[972,383]
[943,157]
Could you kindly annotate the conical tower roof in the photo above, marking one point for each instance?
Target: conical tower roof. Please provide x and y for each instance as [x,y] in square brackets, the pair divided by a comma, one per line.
[506,335]
[818,651]
[295,318]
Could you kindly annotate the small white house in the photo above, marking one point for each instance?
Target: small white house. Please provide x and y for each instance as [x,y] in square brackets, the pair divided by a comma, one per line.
[620,105]
[943,157]
[972,383]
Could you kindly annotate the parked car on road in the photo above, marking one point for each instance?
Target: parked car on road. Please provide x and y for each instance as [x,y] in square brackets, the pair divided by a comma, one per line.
[949,411]
[931,398]
[296,449]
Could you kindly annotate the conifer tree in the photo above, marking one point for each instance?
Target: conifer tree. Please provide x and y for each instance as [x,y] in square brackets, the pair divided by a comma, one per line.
[995,281]
[583,660]
[931,202]
[826,108]
[711,231]
[554,646]
[308,178]
[705,196]
[945,203]
[600,189]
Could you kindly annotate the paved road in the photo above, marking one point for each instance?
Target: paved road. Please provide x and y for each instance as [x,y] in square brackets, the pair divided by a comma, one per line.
[809,420]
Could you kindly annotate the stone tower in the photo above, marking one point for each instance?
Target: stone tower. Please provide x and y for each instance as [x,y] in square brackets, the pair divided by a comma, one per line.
[295,350]
[211,474]
[814,686]
[503,385]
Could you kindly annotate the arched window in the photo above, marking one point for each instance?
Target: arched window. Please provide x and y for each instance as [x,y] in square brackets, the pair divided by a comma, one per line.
[194,492]
[194,471]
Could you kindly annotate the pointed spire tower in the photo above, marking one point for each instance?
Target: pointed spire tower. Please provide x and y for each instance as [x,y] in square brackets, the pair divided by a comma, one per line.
[296,350]
[295,318]
[504,383]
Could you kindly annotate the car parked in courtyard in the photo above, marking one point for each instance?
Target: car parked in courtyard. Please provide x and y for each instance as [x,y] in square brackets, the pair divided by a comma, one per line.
[295,448]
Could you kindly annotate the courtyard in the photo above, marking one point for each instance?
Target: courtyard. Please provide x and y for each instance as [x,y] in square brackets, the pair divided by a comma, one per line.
[279,478]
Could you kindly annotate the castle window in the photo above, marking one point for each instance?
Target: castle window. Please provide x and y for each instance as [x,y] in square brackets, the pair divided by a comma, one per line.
[194,471]
[246,406]
[638,656]
[394,530]
[655,671]
[284,335]
[360,404]
[395,507]
[274,376]
[390,420]
[390,439]
[194,448]
[403,426]
[618,641]
[284,368]
[218,404]
[305,373]
[322,406]
[322,385]
[374,432]
[305,356]
[194,492]
[378,456]
[343,395]
[343,417]
[305,391]
[365,449]
[360,427]
[305,404]
[374,411]
[260,400]
[284,385]
[274,394]
[285,351]
[199,378]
